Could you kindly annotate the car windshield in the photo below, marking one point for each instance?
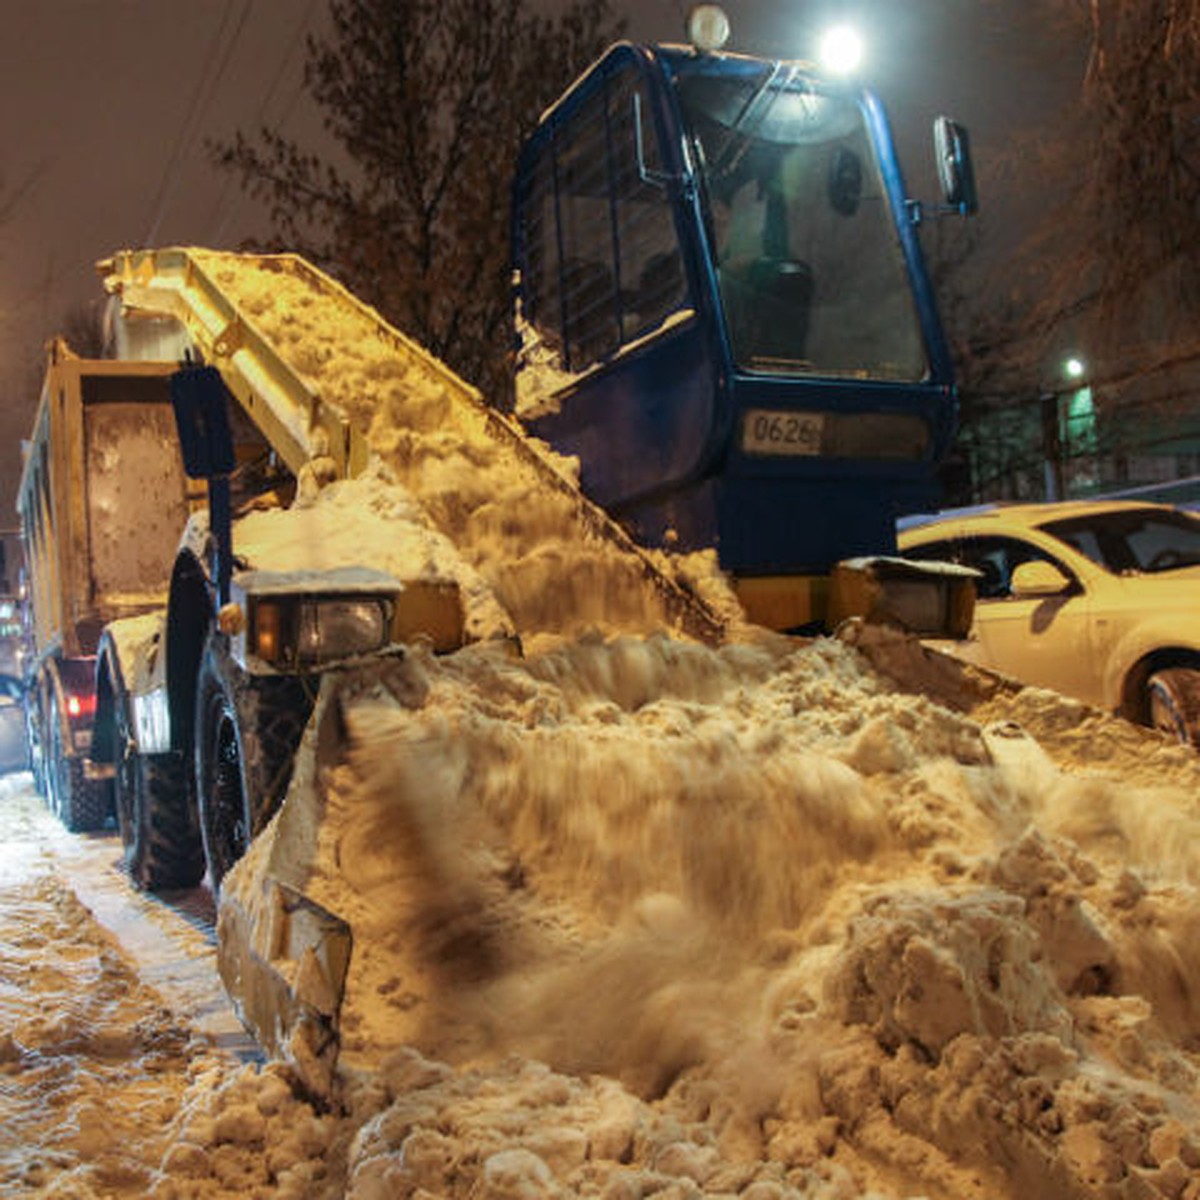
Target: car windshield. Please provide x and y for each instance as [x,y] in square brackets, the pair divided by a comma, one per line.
[1133,540]
[811,272]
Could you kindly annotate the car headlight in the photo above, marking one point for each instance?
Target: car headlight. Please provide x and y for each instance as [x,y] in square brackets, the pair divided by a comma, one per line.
[316,630]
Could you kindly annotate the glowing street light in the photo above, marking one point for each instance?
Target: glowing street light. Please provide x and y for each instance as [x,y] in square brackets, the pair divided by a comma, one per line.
[841,50]
[1068,426]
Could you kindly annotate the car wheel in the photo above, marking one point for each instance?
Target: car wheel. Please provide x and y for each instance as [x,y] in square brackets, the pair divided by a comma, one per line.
[1173,703]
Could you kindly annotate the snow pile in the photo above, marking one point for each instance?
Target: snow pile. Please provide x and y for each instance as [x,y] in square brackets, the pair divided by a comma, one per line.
[369,516]
[644,919]
[247,1133]
[639,918]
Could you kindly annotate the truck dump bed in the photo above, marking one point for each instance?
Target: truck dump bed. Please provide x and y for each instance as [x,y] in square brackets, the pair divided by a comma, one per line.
[102,499]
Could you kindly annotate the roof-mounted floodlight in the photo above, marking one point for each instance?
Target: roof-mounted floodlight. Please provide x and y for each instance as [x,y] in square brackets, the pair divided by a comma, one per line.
[707,27]
[841,50]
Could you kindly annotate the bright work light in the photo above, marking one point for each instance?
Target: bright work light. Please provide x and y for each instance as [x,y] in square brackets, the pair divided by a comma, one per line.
[707,27]
[841,50]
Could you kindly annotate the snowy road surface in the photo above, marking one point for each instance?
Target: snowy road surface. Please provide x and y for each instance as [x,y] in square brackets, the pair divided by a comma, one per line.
[110,1011]
[171,938]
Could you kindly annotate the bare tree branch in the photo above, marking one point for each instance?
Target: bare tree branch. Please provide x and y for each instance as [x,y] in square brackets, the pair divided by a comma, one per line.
[429,101]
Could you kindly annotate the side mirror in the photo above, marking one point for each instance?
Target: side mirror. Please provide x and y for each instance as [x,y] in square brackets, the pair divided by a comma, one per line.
[201,403]
[952,148]
[200,400]
[1038,578]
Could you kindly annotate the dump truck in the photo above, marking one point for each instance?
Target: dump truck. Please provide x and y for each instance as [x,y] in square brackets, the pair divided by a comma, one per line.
[369,511]
[103,443]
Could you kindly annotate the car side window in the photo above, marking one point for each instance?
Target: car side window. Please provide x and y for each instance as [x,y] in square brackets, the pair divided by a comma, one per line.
[995,558]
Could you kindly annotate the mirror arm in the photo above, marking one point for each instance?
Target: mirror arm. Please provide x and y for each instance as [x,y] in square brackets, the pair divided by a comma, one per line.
[918,211]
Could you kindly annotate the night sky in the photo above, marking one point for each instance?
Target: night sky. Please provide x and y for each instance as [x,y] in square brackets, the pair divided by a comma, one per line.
[106,105]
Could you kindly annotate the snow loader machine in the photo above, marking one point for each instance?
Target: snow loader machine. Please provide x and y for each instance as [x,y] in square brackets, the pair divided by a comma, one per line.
[724,327]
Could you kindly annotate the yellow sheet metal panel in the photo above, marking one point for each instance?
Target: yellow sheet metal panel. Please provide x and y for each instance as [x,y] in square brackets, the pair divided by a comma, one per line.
[784,602]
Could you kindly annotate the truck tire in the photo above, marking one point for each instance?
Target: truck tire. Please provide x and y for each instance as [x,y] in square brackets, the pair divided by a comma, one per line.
[155,815]
[246,735]
[83,805]
[33,739]
[1173,700]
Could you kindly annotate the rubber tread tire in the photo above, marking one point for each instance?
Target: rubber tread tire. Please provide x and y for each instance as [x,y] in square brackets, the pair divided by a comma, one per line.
[246,734]
[155,814]
[82,805]
[33,743]
[163,850]
[1175,693]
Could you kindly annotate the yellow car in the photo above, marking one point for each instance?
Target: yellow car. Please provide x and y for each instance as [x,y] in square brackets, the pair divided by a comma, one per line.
[1095,599]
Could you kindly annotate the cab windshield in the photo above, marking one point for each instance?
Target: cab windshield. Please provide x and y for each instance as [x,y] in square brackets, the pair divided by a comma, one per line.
[811,272]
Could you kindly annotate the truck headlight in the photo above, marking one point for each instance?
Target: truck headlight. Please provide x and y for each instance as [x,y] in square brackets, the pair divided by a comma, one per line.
[340,629]
[311,630]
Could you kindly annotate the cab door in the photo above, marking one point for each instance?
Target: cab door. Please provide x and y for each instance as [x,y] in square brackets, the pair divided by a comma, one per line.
[616,363]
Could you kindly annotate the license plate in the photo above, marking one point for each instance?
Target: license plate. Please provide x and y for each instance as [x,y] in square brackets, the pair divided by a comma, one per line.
[767,432]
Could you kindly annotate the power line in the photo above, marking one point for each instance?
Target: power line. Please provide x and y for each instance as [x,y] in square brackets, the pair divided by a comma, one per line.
[225,210]
[206,87]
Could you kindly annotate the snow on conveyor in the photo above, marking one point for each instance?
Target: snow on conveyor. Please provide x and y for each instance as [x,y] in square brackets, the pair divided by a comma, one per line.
[508,504]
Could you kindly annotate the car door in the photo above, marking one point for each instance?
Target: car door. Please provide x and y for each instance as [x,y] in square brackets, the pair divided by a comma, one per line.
[1043,640]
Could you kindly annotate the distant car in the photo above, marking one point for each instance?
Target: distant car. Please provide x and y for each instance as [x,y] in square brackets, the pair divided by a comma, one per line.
[13,753]
[1099,600]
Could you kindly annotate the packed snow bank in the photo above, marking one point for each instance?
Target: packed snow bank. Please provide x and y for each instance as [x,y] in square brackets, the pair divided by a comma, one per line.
[635,917]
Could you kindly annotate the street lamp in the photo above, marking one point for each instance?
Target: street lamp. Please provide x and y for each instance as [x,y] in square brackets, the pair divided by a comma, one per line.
[1057,433]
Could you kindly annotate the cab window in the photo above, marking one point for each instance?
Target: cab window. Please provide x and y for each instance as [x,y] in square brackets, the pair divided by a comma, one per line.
[600,261]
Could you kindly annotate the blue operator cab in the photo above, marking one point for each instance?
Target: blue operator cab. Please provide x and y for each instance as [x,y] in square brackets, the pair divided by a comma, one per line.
[723,313]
